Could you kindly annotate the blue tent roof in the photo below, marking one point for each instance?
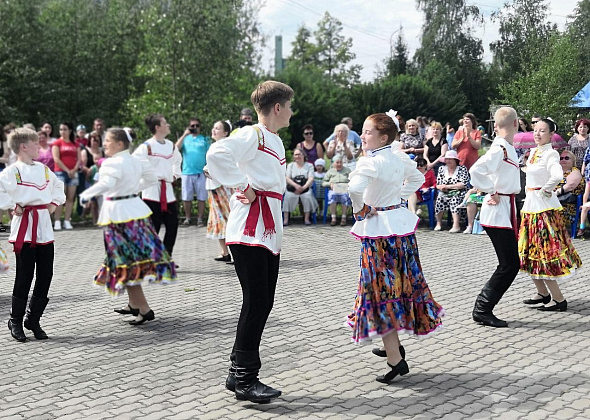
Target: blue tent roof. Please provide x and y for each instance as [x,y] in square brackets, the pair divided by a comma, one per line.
[582,98]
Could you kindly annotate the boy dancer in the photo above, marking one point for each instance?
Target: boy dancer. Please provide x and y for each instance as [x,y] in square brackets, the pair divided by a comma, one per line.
[253,162]
[166,160]
[497,174]
[33,191]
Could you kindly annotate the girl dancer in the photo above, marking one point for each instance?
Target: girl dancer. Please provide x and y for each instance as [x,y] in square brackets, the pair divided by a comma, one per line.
[544,246]
[133,249]
[392,293]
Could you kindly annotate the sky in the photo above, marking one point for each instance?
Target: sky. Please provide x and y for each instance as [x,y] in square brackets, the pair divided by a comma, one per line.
[373,24]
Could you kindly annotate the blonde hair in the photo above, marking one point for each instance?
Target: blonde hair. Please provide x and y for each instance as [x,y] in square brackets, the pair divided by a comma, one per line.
[571,155]
[411,121]
[21,136]
[505,116]
[342,126]
[436,124]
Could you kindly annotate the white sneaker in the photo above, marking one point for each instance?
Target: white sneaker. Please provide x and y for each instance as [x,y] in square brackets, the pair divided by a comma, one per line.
[437,228]
[57,225]
[455,230]
[67,225]
[468,230]
[418,212]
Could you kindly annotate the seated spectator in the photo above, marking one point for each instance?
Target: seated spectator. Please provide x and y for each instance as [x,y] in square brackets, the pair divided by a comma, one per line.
[412,139]
[319,174]
[337,179]
[300,176]
[451,182]
[352,135]
[473,199]
[570,186]
[342,146]
[429,181]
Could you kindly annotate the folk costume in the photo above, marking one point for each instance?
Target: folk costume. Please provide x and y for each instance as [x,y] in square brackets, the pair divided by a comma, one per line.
[166,161]
[254,157]
[498,172]
[218,197]
[392,292]
[134,251]
[32,187]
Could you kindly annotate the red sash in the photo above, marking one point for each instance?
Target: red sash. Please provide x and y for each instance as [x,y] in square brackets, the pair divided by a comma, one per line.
[163,198]
[512,213]
[261,203]
[24,224]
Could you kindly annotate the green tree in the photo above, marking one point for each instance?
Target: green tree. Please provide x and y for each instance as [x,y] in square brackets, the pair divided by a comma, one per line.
[579,30]
[304,51]
[399,62]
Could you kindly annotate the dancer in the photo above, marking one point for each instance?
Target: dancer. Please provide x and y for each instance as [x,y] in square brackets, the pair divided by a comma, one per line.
[218,200]
[392,293]
[166,160]
[134,251]
[544,245]
[253,161]
[34,192]
[497,174]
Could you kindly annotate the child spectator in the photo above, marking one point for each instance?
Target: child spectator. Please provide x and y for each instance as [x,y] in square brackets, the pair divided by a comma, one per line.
[429,182]
[337,179]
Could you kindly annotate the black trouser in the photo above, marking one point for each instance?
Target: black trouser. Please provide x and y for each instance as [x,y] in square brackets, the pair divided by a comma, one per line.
[42,257]
[257,269]
[170,220]
[506,246]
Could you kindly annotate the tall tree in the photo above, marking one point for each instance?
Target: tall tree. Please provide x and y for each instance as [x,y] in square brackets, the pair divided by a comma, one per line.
[304,51]
[579,30]
[398,62]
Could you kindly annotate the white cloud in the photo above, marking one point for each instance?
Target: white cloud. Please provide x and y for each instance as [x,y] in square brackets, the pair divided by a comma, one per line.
[372,23]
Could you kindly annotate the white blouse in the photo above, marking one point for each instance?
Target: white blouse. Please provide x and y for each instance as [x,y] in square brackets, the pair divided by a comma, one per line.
[31,185]
[543,171]
[254,158]
[122,175]
[382,180]
[497,171]
[167,162]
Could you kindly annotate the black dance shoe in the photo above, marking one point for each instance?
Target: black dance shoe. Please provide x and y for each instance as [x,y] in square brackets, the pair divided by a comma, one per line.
[130,311]
[558,307]
[256,392]
[543,299]
[150,316]
[223,258]
[382,353]
[400,369]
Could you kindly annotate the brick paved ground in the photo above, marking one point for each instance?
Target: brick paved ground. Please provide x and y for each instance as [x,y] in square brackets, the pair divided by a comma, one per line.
[96,366]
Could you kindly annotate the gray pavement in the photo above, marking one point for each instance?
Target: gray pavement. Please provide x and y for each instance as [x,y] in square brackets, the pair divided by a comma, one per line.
[96,366]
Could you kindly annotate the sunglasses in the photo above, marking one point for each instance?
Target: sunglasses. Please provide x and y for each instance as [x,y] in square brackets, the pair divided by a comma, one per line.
[421,166]
[195,126]
[564,158]
[308,133]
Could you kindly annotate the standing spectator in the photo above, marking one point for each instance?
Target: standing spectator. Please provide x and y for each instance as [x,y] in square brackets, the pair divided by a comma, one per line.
[579,141]
[90,155]
[337,179]
[193,147]
[351,135]
[412,139]
[342,146]
[422,125]
[435,148]
[451,183]
[166,160]
[100,128]
[450,133]
[45,152]
[48,128]
[467,141]
[313,150]
[68,159]
[245,119]
[82,142]
[524,126]
[300,176]
[81,135]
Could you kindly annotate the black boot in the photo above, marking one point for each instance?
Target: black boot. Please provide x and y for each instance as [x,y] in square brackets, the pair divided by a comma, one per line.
[230,382]
[248,387]
[15,323]
[484,304]
[36,308]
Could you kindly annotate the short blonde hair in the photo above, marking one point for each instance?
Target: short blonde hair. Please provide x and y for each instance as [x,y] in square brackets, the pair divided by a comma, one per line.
[436,124]
[21,136]
[342,126]
[571,155]
[505,116]
[411,121]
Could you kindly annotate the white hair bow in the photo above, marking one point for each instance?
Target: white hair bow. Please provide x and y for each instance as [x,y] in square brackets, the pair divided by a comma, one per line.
[127,131]
[392,114]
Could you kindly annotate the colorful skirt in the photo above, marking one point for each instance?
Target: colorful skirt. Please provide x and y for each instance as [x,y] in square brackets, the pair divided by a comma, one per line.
[392,292]
[545,248]
[218,213]
[4,266]
[134,252]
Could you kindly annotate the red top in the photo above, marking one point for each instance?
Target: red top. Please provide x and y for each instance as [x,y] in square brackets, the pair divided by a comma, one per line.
[81,141]
[465,151]
[68,153]
[429,179]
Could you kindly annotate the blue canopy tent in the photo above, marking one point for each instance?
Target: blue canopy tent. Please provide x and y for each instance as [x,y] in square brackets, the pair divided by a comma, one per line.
[582,98]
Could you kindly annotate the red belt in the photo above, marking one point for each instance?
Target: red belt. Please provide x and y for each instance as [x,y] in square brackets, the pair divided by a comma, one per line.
[163,198]
[261,203]
[512,212]
[24,224]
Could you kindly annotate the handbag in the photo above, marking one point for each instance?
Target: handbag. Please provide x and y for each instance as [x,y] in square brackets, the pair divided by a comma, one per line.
[299,180]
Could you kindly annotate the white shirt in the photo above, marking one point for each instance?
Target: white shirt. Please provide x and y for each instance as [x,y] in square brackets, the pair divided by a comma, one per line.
[31,185]
[245,159]
[119,176]
[543,171]
[167,163]
[382,180]
[497,171]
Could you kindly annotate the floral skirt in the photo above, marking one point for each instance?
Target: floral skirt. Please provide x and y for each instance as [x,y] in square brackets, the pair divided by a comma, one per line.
[134,252]
[392,292]
[4,266]
[218,213]
[545,248]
